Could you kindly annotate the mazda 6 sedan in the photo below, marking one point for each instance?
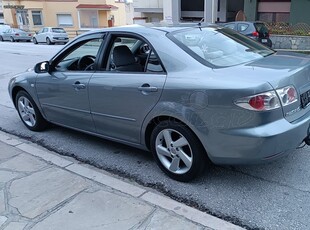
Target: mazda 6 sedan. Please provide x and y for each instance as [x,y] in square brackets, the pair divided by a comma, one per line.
[190,95]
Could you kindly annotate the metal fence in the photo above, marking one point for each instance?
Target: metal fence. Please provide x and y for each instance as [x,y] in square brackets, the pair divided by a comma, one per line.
[281,28]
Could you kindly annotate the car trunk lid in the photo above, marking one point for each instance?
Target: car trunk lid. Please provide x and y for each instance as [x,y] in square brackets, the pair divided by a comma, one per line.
[281,70]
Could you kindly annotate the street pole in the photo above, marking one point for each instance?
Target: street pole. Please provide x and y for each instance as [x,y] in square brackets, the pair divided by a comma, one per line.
[210,11]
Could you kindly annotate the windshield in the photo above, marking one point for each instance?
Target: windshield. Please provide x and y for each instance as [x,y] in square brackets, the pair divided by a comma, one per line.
[219,47]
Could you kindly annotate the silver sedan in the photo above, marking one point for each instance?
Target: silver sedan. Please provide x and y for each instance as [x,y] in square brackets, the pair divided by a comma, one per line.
[189,95]
[15,35]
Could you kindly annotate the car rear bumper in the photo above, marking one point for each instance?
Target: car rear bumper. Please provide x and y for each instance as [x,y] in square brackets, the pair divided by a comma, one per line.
[59,40]
[258,144]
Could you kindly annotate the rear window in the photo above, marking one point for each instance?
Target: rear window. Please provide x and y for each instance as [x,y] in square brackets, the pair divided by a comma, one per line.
[58,30]
[219,47]
[261,27]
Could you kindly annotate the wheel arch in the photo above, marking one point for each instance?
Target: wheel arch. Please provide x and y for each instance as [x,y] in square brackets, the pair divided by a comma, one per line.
[19,88]
[156,120]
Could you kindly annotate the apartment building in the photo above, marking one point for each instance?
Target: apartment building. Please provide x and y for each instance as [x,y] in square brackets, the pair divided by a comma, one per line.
[289,11]
[1,13]
[70,14]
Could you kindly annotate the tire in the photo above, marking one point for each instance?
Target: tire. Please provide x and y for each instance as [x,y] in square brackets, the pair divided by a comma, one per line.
[48,41]
[29,112]
[34,40]
[1,39]
[181,161]
[12,39]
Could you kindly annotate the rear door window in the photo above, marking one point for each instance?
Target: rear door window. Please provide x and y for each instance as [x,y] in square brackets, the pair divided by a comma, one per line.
[242,27]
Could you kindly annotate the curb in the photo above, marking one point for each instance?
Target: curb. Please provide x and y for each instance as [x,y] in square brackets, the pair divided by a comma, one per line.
[107,179]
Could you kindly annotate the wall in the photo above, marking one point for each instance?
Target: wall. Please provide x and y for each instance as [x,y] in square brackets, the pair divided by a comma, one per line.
[290,42]
[300,11]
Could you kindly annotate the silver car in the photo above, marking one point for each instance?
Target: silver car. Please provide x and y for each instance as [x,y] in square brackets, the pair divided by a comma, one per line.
[17,35]
[189,95]
[50,35]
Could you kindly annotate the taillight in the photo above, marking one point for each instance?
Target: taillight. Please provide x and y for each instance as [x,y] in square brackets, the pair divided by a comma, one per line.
[29,35]
[16,34]
[255,34]
[260,102]
[287,95]
[269,100]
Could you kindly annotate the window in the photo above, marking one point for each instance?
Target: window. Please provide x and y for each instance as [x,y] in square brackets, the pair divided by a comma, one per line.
[64,20]
[82,58]
[219,47]
[88,19]
[242,27]
[132,55]
[37,18]
[230,26]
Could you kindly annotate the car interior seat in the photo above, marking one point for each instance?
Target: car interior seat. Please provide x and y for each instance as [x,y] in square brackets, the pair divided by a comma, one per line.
[124,60]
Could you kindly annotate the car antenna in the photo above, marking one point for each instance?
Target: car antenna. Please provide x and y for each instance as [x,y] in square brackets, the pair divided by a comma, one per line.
[199,23]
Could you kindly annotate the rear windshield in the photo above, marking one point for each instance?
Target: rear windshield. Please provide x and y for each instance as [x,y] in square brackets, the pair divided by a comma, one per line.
[58,30]
[219,47]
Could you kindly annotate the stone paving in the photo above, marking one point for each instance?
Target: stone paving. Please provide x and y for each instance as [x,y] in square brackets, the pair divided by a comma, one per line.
[59,193]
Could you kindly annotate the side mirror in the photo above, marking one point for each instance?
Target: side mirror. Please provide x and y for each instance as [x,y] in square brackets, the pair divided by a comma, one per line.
[42,67]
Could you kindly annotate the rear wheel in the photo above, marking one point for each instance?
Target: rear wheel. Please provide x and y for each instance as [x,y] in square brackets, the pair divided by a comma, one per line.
[1,39]
[29,112]
[12,39]
[177,151]
[48,41]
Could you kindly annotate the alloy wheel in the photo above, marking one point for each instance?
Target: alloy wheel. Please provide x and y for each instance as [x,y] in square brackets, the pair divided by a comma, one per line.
[174,151]
[26,111]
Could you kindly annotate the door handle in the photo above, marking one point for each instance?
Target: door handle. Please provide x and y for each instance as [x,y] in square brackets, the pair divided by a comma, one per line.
[77,85]
[147,88]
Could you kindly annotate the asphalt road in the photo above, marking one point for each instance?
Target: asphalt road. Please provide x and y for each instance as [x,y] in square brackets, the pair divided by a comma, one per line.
[270,196]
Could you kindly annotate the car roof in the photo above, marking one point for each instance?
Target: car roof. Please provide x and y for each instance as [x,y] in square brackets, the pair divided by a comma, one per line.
[166,28]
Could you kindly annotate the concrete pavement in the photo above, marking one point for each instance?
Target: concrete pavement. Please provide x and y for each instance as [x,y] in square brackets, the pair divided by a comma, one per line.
[40,189]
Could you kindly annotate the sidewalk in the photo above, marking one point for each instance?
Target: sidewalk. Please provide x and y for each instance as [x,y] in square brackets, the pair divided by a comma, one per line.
[41,190]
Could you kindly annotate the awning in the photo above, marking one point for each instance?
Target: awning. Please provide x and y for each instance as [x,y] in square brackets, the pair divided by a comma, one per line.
[97,7]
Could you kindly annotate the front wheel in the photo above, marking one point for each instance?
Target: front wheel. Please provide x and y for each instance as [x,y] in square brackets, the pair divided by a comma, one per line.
[1,39]
[34,40]
[29,112]
[177,151]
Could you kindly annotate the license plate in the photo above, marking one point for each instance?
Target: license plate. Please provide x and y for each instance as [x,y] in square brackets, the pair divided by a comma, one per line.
[61,38]
[305,99]
[264,40]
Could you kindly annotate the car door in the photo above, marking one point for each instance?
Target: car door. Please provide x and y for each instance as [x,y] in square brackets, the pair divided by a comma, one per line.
[121,97]
[41,35]
[63,92]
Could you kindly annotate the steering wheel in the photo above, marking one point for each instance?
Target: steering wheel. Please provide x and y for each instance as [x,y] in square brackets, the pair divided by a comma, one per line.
[86,62]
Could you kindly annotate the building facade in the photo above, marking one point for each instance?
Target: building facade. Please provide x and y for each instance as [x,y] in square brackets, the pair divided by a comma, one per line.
[289,11]
[1,13]
[69,14]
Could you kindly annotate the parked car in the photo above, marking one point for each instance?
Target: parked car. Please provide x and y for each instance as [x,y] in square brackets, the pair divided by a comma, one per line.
[51,35]
[255,30]
[185,94]
[17,35]
[4,28]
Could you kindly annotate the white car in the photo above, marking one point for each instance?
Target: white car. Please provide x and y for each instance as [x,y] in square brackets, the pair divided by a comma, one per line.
[51,35]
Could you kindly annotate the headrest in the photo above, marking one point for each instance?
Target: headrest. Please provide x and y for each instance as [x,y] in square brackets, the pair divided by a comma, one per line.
[122,56]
